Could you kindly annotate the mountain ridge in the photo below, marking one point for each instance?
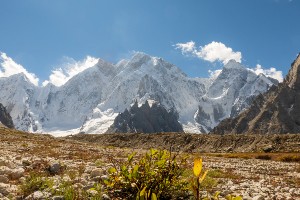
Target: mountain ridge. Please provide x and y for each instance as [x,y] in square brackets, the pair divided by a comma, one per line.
[277,111]
[91,100]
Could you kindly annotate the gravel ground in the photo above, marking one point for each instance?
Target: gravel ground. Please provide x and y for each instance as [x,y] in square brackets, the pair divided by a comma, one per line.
[86,164]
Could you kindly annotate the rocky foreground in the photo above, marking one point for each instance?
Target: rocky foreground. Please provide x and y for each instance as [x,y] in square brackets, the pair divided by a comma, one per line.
[79,165]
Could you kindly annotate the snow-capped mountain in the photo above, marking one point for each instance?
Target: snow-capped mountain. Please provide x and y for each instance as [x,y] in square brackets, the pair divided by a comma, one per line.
[90,101]
[275,112]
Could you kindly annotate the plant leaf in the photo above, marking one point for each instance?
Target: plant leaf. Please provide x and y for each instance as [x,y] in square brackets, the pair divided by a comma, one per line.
[112,170]
[153,196]
[237,198]
[197,166]
[142,193]
[203,177]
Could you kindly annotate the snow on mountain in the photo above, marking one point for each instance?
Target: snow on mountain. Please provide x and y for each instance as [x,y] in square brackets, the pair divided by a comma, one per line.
[91,100]
[230,92]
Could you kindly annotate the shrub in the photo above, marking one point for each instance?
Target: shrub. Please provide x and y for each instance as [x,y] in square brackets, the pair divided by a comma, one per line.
[263,157]
[158,174]
[35,182]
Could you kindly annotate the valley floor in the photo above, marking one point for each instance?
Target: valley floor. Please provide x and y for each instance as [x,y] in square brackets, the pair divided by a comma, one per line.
[83,165]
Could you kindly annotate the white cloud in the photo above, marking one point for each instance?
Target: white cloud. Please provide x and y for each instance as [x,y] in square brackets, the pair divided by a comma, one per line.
[272,72]
[71,68]
[212,52]
[214,74]
[9,67]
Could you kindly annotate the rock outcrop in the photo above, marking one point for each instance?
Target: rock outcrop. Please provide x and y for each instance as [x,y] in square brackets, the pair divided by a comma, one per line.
[5,118]
[146,119]
[276,111]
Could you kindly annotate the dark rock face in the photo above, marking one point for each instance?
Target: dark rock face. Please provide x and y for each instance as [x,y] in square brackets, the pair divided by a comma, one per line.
[5,118]
[146,119]
[277,111]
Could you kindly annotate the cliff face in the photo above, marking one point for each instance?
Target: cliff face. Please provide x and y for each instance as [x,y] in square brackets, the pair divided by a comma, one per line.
[146,119]
[276,111]
[5,118]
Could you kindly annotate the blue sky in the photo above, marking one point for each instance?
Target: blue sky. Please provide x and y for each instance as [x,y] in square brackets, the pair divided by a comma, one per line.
[42,35]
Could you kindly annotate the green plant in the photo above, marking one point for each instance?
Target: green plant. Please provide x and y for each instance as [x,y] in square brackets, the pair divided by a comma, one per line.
[67,190]
[232,197]
[198,179]
[157,175]
[35,182]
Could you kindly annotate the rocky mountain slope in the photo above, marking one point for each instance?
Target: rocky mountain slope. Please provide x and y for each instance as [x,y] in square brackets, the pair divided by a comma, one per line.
[90,101]
[146,119]
[277,111]
[5,118]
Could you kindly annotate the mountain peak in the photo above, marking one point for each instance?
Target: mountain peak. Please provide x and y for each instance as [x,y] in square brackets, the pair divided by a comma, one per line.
[232,64]
[293,77]
[140,57]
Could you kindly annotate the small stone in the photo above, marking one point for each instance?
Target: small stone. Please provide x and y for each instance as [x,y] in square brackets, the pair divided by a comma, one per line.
[4,179]
[55,168]
[104,177]
[38,195]
[17,173]
[4,170]
[22,179]
[258,197]
[96,172]
[26,163]
[96,179]
[58,198]
[88,186]
[233,188]
[105,197]
[230,183]
[4,189]
[92,192]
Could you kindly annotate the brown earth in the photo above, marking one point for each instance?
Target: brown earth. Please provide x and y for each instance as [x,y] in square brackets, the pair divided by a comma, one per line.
[197,142]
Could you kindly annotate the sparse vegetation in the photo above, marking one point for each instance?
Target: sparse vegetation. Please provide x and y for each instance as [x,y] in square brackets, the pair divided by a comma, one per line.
[35,182]
[158,174]
[79,159]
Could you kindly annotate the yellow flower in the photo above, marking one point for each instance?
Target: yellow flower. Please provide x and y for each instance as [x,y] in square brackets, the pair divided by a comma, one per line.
[197,166]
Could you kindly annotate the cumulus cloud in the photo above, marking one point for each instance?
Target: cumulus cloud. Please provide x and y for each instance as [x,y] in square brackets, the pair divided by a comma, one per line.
[213,74]
[271,72]
[70,68]
[9,67]
[212,52]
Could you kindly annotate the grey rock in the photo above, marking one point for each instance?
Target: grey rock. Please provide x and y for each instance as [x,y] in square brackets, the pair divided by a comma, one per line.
[55,168]
[96,172]
[105,197]
[17,173]
[258,197]
[4,179]
[26,163]
[38,195]
[58,198]
[4,170]
[4,189]
[5,118]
